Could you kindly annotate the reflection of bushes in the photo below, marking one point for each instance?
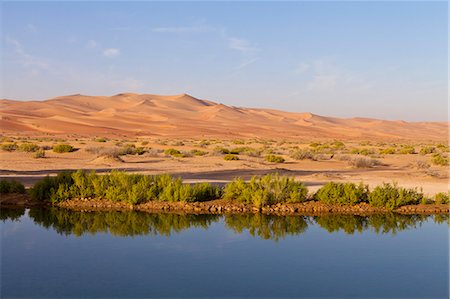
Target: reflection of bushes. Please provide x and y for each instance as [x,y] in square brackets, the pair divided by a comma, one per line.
[12,214]
[132,223]
[267,226]
[126,223]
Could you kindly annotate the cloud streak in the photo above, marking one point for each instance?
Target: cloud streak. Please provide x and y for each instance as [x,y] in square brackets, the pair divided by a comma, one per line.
[26,60]
[111,52]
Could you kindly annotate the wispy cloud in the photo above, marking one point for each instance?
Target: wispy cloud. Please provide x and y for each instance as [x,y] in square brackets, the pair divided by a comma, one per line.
[26,59]
[184,29]
[241,45]
[111,52]
[246,63]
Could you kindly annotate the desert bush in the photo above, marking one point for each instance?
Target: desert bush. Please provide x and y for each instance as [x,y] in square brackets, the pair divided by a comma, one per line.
[11,186]
[344,158]
[39,154]
[302,154]
[8,147]
[438,159]
[120,187]
[173,152]
[391,196]
[442,198]
[101,139]
[196,152]
[63,148]
[387,151]
[407,150]
[28,147]
[342,193]
[427,150]
[266,190]
[274,159]
[443,147]
[230,157]
[51,188]
[363,151]
[422,165]
[364,162]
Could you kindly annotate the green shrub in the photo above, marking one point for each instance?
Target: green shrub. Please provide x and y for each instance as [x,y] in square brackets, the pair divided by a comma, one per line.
[28,147]
[391,196]
[39,154]
[120,187]
[438,159]
[443,147]
[221,150]
[230,157]
[387,151]
[101,139]
[174,153]
[342,193]
[63,148]
[266,190]
[427,150]
[196,152]
[442,198]
[11,186]
[302,154]
[363,151]
[51,188]
[407,150]
[9,147]
[274,159]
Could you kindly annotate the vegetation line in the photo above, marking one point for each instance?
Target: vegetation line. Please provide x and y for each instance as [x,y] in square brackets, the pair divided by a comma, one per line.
[260,191]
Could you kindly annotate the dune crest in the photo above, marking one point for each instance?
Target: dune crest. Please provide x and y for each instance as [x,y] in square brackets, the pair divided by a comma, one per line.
[183,115]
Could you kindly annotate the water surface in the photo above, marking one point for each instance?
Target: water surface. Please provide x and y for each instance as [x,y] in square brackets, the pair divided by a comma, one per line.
[54,253]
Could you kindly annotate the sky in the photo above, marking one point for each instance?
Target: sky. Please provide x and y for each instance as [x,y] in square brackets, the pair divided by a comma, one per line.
[383,60]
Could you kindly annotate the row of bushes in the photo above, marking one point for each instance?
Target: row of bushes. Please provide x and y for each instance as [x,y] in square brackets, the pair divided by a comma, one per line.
[32,147]
[120,186]
[259,191]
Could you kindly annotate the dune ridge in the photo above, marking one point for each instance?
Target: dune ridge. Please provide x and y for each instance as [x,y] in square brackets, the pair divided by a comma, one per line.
[129,114]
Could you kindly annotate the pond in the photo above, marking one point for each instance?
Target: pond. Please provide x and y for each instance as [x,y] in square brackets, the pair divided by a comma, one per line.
[56,253]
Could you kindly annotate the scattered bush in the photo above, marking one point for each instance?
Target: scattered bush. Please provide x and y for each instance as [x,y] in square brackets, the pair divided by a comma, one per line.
[266,190]
[11,186]
[363,151]
[274,159]
[9,147]
[230,157]
[387,151]
[39,154]
[427,150]
[28,147]
[391,196]
[101,139]
[196,152]
[342,193]
[173,152]
[438,159]
[364,162]
[422,165]
[407,150]
[63,148]
[442,198]
[302,154]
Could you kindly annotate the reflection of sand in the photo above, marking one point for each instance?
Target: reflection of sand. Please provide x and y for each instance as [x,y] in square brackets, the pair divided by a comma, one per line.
[185,116]
[397,168]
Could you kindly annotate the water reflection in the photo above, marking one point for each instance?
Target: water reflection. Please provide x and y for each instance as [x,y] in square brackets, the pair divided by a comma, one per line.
[132,223]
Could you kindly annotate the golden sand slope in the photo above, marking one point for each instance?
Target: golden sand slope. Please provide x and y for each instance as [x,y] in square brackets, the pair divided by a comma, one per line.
[185,116]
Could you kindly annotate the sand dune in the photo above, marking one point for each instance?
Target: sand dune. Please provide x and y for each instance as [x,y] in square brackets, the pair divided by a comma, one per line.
[185,116]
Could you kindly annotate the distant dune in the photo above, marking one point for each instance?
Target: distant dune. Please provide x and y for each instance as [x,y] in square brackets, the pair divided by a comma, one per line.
[182,115]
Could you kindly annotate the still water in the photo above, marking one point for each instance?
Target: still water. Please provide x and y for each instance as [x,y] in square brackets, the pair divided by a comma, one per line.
[53,253]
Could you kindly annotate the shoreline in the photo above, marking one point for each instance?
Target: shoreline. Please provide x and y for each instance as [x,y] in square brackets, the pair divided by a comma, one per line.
[221,206]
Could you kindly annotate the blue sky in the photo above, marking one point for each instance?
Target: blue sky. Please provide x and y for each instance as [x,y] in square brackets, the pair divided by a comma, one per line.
[371,59]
